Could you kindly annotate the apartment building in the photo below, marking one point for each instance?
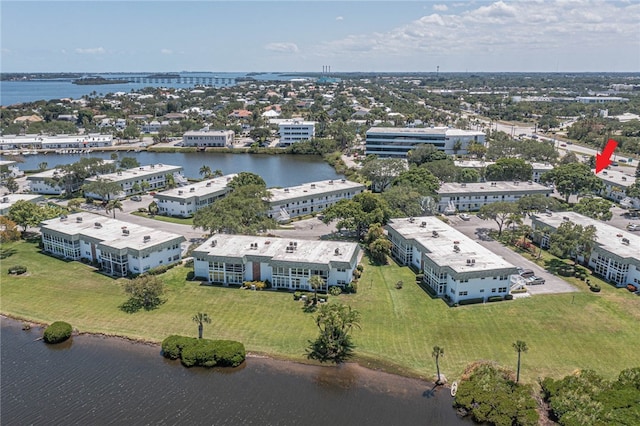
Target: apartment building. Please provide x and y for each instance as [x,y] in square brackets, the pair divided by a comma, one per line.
[469,197]
[120,248]
[289,264]
[292,131]
[186,200]
[134,181]
[454,266]
[209,138]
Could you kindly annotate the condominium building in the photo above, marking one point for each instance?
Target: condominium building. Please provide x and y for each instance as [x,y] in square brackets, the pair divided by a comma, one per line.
[11,169]
[287,203]
[292,131]
[398,141]
[92,140]
[616,255]
[134,181]
[8,200]
[209,138]
[233,259]
[469,197]
[616,184]
[51,182]
[186,200]
[538,168]
[454,266]
[120,248]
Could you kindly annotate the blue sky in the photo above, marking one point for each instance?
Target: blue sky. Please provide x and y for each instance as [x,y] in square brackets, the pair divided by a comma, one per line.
[224,36]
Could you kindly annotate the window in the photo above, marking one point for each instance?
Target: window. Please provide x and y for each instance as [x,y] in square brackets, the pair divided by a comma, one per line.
[502,290]
[462,293]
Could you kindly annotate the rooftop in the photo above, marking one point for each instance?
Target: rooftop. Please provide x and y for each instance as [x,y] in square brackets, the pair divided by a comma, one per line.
[111,232]
[301,251]
[54,139]
[198,189]
[615,177]
[138,172]
[425,131]
[608,237]
[440,240]
[6,201]
[478,164]
[208,132]
[312,188]
[490,187]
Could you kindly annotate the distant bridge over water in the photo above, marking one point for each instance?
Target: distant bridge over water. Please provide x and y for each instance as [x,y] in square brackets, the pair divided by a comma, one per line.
[193,80]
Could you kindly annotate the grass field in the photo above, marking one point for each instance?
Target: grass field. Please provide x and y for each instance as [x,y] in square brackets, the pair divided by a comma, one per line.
[399,326]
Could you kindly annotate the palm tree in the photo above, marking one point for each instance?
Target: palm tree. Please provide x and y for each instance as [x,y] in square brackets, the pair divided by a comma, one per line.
[200,318]
[205,171]
[217,173]
[519,347]
[437,353]
[316,282]
[112,205]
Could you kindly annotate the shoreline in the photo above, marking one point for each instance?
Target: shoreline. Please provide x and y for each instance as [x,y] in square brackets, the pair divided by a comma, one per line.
[379,367]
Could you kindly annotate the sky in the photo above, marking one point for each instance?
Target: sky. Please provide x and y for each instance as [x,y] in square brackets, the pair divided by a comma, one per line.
[309,36]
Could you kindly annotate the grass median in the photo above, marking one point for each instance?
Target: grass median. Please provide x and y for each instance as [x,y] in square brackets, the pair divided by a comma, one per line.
[564,332]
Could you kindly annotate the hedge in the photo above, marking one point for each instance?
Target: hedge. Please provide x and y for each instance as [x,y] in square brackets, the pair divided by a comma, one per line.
[203,352]
[471,301]
[57,332]
[17,269]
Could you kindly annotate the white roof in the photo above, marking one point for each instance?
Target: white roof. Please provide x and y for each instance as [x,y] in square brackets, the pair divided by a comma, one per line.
[491,187]
[6,201]
[616,178]
[198,189]
[438,239]
[312,189]
[110,231]
[306,251]
[444,131]
[138,172]
[607,236]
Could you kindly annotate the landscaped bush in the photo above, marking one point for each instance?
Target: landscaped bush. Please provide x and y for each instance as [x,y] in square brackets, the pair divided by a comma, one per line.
[508,297]
[297,295]
[360,268]
[520,290]
[203,352]
[595,288]
[352,287]
[495,299]
[57,332]
[471,301]
[160,269]
[335,290]
[17,269]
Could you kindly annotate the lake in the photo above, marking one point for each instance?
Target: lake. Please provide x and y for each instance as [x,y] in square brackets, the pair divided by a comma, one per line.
[94,380]
[277,170]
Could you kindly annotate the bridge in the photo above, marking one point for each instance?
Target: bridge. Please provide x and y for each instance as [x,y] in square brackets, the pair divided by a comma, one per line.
[194,80]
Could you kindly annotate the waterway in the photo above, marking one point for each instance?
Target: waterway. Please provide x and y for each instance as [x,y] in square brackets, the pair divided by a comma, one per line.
[93,380]
[15,92]
[277,170]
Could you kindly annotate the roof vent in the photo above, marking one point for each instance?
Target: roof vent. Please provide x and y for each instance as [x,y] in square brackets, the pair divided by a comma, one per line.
[63,217]
[78,219]
[125,232]
[435,234]
[336,252]
[208,184]
[343,180]
[423,225]
[625,241]
[146,238]
[412,219]
[494,184]
[463,185]
[214,243]
[456,248]
[565,218]
[192,190]
[254,246]
[624,178]
[180,192]
[313,186]
[97,225]
[331,182]
[286,190]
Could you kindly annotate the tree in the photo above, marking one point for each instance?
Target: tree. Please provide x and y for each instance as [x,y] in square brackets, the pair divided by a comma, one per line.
[535,203]
[316,282]
[112,205]
[153,208]
[358,213]
[8,230]
[246,179]
[419,178]
[445,170]
[131,132]
[573,179]
[259,134]
[169,181]
[379,250]
[571,240]
[218,173]
[12,185]
[200,319]
[437,353]
[425,153]
[595,208]
[145,292]
[519,347]
[381,171]
[43,166]
[569,157]
[25,214]
[467,175]
[103,188]
[129,163]
[509,169]
[205,171]
[335,322]
[75,204]
[499,212]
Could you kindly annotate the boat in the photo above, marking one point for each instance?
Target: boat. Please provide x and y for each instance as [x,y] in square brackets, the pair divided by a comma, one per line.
[454,388]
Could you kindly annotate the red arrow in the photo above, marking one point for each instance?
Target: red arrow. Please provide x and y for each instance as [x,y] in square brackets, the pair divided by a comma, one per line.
[604,159]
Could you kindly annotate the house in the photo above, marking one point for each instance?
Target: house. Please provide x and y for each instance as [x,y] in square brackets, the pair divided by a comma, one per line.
[240,114]
[296,130]
[186,200]
[454,267]
[310,198]
[133,180]
[468,197]
[287,264]
[119,248]
[209,138]
[616,255]
[8,200]
[398,141]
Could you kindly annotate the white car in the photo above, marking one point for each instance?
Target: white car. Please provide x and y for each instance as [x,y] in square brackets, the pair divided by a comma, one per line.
[633,227]
[465,216]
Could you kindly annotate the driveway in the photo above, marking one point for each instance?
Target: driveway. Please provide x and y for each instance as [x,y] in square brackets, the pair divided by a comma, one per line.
[471,227]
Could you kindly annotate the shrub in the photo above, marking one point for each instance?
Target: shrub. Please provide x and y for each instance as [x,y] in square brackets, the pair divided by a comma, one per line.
[297,295]
[335,290]
[203,352]
[188,262]
[595,288]
[471,301]
[360,268]
[17,269]
[419,277]
[495,299]
[57,332]
[508,297]
[352,287]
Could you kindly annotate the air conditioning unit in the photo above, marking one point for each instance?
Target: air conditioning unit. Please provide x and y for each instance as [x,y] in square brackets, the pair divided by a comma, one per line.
[78,219]
[146,238]
[214,243]
[423,225]
[192,190]
[336,252]
[97,225]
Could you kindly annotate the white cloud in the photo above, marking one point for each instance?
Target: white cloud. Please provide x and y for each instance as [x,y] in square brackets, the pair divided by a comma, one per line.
[589,26]
[166,51]
[91,51]
[4,50]
[440,7]
[339,18]
[283,47]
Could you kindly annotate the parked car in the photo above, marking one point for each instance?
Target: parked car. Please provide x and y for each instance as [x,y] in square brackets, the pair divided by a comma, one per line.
[535,280]
[527,273]
[464,216]
[136,198]
[633,227]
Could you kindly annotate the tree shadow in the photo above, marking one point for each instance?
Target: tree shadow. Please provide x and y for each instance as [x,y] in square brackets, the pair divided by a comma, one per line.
[7,252]
[430,393]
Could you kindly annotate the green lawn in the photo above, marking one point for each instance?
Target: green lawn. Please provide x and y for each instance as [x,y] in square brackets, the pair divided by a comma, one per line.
[399,327]
[170,219]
